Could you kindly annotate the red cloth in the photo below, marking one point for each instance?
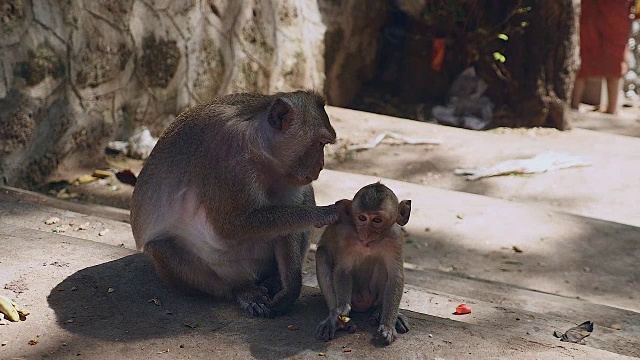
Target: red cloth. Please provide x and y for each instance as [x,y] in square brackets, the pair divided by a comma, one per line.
[604,32]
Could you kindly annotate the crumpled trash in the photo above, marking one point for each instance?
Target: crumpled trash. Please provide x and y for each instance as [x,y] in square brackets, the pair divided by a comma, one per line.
[138,146]
[538,164]
[576,333]
[467,107]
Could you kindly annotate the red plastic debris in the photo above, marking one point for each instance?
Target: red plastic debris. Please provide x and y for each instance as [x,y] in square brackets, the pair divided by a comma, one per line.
[462,309]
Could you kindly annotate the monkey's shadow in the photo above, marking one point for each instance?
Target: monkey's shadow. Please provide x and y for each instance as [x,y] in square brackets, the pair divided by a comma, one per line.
[124,301]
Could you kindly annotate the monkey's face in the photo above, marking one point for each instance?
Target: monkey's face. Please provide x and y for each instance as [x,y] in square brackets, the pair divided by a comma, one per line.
[302,131]
[372,225]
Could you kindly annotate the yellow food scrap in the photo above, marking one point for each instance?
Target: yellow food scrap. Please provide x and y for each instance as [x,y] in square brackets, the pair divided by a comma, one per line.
[86,179]
[344,318]
[11,310]
[102,174]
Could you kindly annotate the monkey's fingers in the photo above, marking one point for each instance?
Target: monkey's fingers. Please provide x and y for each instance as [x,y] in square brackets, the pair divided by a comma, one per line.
[386,335]
[257,309]
[402,324]
[255,302]
[326,330]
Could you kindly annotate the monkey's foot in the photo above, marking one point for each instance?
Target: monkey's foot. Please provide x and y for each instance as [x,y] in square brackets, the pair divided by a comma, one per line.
[254,301]
[402,322]
[272,285]
[386,335]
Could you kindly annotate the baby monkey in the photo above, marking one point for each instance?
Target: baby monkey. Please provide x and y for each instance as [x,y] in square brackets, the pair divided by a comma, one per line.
[359,263]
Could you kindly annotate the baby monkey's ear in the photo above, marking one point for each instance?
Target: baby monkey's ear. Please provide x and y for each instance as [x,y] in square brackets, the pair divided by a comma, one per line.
[404,210]
[344,208]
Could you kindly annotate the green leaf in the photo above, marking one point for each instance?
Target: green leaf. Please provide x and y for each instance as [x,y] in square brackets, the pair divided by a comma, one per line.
[499,57]
[503,37]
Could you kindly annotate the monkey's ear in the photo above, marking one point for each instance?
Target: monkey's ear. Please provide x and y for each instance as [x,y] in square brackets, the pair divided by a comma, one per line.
[404,210]
[280,114]
[344,208]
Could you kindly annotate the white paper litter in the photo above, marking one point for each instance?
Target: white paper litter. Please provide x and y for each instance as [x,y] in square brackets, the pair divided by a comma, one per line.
[138,146]
[538,164]
[401,138]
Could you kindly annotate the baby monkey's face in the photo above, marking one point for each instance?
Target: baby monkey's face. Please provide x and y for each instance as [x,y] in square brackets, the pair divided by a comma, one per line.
[371,225]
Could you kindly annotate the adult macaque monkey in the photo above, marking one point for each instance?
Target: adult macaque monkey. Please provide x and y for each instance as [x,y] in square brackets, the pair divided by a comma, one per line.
[359,263]
[224,205]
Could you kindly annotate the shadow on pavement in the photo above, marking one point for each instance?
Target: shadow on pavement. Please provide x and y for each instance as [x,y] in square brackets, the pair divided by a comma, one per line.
[84,306]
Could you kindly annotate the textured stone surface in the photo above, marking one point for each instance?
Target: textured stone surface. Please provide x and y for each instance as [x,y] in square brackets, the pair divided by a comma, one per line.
[76,74]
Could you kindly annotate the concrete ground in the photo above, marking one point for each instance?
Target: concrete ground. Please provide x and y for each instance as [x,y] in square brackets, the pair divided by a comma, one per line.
[93,297]
[576,232]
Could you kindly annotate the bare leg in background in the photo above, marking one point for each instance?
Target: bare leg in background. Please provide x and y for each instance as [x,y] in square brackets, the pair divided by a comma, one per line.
[578,90]
[613,85]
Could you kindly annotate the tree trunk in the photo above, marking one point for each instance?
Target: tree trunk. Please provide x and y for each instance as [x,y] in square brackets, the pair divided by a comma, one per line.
[541,66]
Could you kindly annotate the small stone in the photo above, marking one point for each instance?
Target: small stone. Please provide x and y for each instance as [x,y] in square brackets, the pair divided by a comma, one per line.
[155,300]
[74,288]
[84,226]
[103,232]
[430,335]
[182,346]
[59,229]
[52,220]
[616,326]
[4,343]
[33,342]
[110,290]
[70,321]
[586,269]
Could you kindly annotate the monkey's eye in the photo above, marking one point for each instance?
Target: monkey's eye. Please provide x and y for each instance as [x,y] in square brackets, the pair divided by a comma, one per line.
[377,220]
[362,218]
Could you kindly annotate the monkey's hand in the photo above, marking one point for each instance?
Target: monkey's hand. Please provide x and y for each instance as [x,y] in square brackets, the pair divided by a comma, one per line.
[327,215]
[326,330]
[338,319]
[386,334]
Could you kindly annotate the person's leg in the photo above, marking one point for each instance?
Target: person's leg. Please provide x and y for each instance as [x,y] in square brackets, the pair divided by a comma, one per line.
[613,87]
[614,26]
[590,50]
[578,90]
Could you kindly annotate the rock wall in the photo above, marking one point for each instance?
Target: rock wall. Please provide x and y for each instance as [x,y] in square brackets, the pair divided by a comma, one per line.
[75,74]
